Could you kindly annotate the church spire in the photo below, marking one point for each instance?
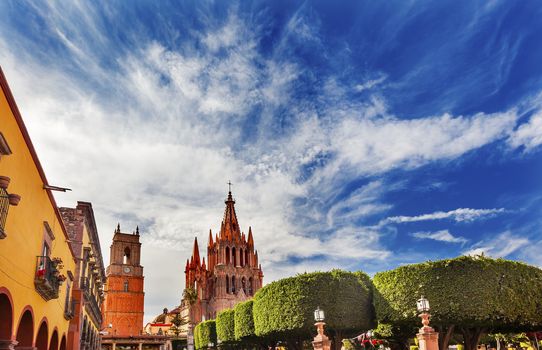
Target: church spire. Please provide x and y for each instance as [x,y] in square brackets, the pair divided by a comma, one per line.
[230,226]
[210,239]
[195,252]
[250,238]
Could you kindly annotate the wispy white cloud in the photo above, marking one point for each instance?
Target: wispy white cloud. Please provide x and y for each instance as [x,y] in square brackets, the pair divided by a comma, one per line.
[442,236]
[369,84]
[528,134]
[458,215]
[502,245]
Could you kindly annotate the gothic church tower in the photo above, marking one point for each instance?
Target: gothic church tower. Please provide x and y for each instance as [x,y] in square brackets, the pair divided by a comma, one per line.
[124,296]
[232,273]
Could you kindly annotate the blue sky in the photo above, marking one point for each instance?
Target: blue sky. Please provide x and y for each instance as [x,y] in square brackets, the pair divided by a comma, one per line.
[358,134]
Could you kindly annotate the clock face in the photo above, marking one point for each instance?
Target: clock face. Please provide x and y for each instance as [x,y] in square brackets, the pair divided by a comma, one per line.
[126,269]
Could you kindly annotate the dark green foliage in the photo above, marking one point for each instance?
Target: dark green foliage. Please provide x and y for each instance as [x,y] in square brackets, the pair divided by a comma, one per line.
[285,309]
[225,326]
[244,321]
[465,292]
[204,334]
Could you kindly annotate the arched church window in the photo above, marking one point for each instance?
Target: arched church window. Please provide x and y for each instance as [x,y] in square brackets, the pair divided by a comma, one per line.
[250,288]
[233,284]
[126,257]
[241,262]
[246,257]
[233,257]
[125,286]
[244,285]
[227,284]
[227,255]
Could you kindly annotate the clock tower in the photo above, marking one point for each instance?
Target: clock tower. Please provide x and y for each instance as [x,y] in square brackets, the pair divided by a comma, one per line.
[124,296]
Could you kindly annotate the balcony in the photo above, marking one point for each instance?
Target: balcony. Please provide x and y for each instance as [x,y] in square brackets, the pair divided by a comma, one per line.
[91,304]
[48,279]
[69,310]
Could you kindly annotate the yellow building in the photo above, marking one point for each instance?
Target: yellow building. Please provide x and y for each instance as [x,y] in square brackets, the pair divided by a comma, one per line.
[37,265]
[87,291]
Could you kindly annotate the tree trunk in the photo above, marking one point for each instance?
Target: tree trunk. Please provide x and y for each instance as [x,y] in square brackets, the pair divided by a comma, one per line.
[471,337]
[445,336]
[337,341]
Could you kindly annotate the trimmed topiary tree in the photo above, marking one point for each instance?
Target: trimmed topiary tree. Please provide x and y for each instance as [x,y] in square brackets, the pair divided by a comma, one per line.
[244,321]
[285,309]
[225,327]
[204,334]
[470,295]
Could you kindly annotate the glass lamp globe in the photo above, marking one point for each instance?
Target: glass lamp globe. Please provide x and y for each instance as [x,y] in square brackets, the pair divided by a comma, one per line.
[318,314]
[422,305]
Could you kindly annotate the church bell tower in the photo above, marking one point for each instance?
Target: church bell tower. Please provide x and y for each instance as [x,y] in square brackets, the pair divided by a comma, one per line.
[124,296]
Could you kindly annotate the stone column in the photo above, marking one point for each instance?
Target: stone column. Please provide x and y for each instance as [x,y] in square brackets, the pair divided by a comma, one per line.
[427,337]
[114,346]
[8,344]
[141,346]
[321,341]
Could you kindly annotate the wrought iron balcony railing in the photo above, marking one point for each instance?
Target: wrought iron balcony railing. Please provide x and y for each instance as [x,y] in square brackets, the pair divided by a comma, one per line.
[69,310]
[47,279]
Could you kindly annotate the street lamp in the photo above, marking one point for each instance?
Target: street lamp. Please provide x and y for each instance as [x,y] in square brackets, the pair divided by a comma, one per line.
[427,337]
[422,305]
[319,315]
[320,342]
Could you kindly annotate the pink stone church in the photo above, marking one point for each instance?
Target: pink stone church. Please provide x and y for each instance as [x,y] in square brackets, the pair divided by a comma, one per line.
[232,273]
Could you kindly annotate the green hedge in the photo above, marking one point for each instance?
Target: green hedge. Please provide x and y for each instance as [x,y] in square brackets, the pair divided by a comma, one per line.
[285,308]
[465,291]
[225,326]
[244,320]
[205,333]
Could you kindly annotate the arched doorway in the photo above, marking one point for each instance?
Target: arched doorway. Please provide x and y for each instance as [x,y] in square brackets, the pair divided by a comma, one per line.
[53,344]
[63,343]
[41,338]
[25,330]
[6,317]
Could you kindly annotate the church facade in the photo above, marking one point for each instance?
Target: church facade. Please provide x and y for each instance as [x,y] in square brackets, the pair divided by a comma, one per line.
[231,273]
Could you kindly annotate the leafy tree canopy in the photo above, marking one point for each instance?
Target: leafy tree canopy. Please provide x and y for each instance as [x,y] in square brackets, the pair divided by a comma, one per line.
[285,308]
[225,326]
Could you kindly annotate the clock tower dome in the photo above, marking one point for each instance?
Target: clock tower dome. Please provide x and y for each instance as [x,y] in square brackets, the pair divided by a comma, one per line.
[124,296]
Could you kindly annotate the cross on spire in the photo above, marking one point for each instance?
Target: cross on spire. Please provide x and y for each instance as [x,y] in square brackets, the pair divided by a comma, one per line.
[229,185]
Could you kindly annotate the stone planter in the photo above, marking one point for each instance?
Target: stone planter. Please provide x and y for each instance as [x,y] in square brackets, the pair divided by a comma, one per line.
[14,199]
[4,182]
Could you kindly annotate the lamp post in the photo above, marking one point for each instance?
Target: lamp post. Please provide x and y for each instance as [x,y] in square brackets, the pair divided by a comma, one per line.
[321,341]
[427,337]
